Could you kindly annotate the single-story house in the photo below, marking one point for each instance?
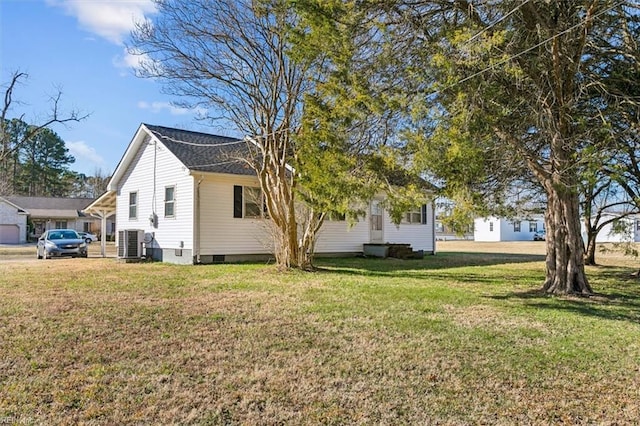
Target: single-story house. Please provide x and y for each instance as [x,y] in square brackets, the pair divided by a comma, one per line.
[494,228]
[56,213]
[13,223]
[181,197]
[611,232]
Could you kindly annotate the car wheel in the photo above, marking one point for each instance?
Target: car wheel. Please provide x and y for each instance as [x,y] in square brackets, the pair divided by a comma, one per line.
[88,240]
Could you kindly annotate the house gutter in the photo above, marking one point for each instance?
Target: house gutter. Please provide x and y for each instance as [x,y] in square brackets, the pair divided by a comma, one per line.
[196,225]
[433,225]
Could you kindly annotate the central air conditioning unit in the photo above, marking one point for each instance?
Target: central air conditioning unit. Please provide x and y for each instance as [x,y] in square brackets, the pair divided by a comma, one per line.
[130,243]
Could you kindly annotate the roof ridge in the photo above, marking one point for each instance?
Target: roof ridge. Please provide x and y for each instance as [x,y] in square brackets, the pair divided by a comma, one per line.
[155,127]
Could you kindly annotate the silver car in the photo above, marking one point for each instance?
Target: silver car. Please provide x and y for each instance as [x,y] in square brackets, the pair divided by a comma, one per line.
[61,242]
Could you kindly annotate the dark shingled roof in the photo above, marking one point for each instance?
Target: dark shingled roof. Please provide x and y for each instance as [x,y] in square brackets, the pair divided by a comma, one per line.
[204,152]
[52,207]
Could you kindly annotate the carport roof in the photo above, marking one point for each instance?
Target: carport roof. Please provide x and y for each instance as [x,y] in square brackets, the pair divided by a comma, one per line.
[103,206]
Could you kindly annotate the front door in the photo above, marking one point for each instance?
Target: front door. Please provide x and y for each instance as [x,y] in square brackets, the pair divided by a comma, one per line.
[376,222]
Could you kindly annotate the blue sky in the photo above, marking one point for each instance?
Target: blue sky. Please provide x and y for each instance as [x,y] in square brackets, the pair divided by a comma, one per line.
[79,47]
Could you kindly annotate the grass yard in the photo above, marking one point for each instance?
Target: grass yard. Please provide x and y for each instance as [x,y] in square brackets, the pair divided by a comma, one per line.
[458,338]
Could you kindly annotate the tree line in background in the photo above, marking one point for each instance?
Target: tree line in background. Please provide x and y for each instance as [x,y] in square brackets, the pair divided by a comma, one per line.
[34,160]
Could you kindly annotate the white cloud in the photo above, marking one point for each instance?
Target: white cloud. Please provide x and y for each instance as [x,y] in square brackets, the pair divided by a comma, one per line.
[85,155]
[112,20]
[131,60]
[157,107]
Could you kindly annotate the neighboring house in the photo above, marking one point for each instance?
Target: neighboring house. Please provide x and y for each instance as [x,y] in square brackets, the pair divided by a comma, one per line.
[13,223]
[183,193]
[630,231]
[56,213]
[500,229]
[444,233]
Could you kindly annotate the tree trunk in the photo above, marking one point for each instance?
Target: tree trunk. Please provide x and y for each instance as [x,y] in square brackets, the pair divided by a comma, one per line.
[590,254]
[565,249]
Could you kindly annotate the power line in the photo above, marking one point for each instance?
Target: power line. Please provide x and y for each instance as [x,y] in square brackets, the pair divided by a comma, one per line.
[158,134]
[497,22]
[517,55]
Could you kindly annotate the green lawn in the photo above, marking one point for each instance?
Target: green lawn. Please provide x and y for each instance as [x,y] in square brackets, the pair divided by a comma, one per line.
[459,338]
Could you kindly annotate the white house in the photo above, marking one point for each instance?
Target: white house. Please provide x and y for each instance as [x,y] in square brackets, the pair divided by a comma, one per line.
[494,228]
[55,213]
[608,234]
[182,193]
[13,223]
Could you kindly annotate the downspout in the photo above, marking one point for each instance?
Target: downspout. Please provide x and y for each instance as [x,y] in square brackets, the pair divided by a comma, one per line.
[196,225]
[433,226]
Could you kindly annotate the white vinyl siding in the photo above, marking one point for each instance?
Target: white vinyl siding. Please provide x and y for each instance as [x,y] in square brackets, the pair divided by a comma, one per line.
[12,222]
[176,233]
[419,235]
[220,232]
[500,229]
[339,237]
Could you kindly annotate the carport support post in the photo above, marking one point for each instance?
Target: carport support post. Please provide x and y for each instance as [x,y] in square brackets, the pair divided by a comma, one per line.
[103,233]
[103,214]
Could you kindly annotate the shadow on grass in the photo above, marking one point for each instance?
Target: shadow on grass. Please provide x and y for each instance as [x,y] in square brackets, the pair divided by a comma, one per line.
[442,261]
[617,294]
[620,302]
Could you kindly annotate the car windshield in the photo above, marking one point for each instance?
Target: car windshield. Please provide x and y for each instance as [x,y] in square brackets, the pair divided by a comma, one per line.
[63,235]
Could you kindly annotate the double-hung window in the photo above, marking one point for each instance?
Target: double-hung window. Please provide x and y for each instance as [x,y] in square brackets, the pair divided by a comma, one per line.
[252,202]
[248,201]
[133,205]
[413,216]
[169,201]
[418,216]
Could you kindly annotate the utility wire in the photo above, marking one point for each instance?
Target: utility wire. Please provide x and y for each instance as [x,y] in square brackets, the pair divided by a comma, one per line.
[517,55]
[496,22]
[236,142]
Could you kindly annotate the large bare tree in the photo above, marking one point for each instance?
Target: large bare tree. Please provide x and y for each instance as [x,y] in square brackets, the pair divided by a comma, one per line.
[14,135]
[231,58]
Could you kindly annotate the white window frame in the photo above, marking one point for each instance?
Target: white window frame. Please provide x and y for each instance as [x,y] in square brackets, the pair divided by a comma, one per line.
[249,195]
[133,205]
[171,202]
[413,217]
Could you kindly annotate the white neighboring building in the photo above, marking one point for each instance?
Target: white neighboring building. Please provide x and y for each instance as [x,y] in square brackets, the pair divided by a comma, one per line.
[494,228]
[13,223]
[185,196]
[608,235]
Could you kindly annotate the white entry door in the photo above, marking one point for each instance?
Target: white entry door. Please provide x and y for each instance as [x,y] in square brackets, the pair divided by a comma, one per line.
[376,221]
